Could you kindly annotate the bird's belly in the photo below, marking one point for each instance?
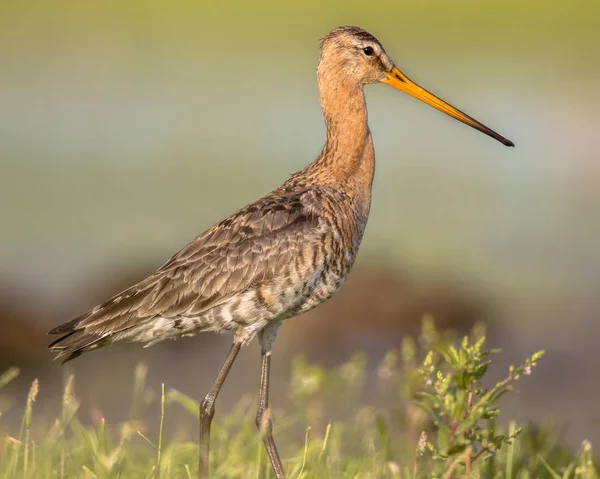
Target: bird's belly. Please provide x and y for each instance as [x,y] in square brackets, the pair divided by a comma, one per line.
[314,293]
[287,297]
[317,298]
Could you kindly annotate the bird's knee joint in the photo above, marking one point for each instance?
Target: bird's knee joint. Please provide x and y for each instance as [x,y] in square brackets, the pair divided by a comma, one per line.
[207,406]
[263,420]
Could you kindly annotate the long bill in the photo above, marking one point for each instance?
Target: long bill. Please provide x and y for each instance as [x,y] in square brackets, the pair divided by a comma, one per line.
[399,80]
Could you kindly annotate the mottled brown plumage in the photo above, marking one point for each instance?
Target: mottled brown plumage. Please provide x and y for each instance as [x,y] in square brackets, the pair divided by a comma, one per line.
[277,257]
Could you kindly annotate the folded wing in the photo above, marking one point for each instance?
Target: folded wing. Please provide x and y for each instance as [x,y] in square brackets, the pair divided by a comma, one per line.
[251,246]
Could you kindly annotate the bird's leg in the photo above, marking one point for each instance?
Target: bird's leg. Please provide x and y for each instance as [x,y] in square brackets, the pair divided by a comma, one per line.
[263,417]
[207,409]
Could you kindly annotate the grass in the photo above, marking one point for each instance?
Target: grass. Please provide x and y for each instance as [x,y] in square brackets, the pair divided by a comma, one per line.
[442,423]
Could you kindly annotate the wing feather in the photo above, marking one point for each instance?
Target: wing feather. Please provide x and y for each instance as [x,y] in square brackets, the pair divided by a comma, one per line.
[250,246]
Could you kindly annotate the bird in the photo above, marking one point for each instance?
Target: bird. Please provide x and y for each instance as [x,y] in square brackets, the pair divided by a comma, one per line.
[275,258]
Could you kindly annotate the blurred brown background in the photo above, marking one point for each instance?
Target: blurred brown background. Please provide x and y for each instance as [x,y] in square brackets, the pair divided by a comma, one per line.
[126,128]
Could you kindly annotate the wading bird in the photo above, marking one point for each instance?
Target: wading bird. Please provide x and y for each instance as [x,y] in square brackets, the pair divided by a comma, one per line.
[277,257]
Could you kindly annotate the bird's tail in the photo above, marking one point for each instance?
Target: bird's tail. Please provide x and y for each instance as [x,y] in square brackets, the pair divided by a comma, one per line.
[110,321]
[74,342]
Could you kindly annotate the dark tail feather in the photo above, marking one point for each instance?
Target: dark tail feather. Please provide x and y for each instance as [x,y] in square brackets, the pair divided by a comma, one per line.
[65,328]
[77,337]
[74,340]
[102,324]
[74,343]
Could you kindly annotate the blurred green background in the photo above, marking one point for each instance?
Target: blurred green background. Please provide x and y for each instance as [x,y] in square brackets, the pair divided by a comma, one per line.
[128,127]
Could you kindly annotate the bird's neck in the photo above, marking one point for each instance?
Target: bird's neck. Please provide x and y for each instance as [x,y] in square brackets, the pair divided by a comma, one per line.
[348,156]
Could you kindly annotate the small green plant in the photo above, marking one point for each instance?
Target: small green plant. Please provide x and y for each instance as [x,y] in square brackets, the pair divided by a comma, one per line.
[461,408]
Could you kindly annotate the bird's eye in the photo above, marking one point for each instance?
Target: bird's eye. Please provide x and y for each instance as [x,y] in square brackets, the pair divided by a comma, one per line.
[368,51]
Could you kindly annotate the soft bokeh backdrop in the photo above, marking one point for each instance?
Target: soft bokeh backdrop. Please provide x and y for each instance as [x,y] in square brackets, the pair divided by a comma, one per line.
[126,128]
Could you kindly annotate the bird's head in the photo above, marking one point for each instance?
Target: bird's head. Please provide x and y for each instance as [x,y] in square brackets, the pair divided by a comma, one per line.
[352,57]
